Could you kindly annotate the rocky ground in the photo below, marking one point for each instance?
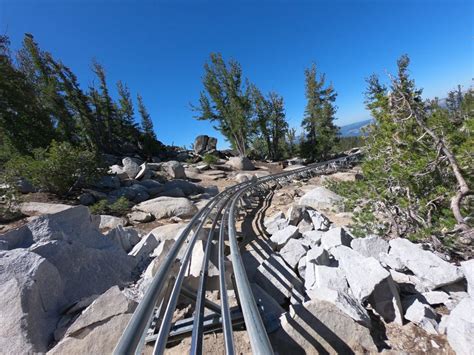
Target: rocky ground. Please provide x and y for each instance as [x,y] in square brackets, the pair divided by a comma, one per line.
[69,280]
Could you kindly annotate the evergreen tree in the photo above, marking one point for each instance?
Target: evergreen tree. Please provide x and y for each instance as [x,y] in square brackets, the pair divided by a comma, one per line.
[270,121]
[146,122]
[321,132]
[227,101]
[24,123]
[128,127]
[291,141]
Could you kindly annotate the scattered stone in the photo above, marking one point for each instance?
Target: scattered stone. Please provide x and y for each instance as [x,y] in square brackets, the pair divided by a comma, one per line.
[125,238]
[335,236]
[142,250]
[368,280]
[174,169]
[159,255]
[320,222]
[130,167]
[140,217]
[316,327]
[293,251]
[305,226]
[318,276]
[281,237]
[119,171]
[434,298]
[41,208]
[168,231]
[164,207]
[110,222]
[391,261]
[342,300]
[312,238]
[241,163]
[318,256]
[322,198]
[422,315]
[153,187]
[187,187]
[295,214]
[424,264]
[370,246]
[108,182]
[275,225]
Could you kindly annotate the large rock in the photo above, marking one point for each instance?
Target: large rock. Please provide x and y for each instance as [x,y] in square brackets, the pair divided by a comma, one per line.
[204,143]
[344,301]
[168,231]
[140,217]
[40,208]
[335,236]
[109,222]
[370,246]
[99,327]
[322,276]
[424,264]
[125,238]
[174,169]
[368,280]
[87,262]
[187,187]
[460,327]
[322,198]
[30,297]
[142,250]
[241,163]
[281,237]
[320,327]
[130,167]
[293,251]
[312,238]
[422,315]
[165,207]
[275,223]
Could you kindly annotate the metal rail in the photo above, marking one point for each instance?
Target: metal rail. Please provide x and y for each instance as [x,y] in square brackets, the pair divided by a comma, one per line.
[226,205]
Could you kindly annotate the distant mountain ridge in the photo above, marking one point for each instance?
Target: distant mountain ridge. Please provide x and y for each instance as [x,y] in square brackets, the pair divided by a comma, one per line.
[354,129]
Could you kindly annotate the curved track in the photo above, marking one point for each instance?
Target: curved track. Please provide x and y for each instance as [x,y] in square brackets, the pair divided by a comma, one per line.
[159,302]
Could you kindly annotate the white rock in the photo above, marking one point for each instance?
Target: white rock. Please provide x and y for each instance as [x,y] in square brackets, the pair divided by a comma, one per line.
[130,167]
[370,246]
[40,208]
[302,268]
[335,236]
[140,217]
[125,238]
[168,231]
[468,271]
[320,222]
[312,238]
[143,172]
[318,255]
[31,293]
[424,264]
[110,222]
[443,324]
[318,276]
[436,297]
[293,251]
[165,207]
[408,283]
[344,301]
[368,280]
[391,261]
[174,169]
[460,328]
[143,249]
[281,237]
[241,163]
[422,315]
[321,198]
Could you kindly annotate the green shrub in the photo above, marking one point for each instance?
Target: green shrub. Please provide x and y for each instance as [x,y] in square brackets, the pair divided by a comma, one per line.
[210,159]
[118,208]
[58,169]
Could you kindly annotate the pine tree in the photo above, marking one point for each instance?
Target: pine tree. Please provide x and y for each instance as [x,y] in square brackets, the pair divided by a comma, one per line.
[146,122]
[270,121]
[318,122]
[227,101]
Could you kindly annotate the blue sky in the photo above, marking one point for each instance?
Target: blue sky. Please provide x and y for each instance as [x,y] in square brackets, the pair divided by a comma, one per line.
[159,47]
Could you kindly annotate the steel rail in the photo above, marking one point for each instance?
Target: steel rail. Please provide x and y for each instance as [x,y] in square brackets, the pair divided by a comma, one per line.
[143,315]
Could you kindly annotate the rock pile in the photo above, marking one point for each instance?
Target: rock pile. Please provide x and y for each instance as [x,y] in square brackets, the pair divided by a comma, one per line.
[331,282]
